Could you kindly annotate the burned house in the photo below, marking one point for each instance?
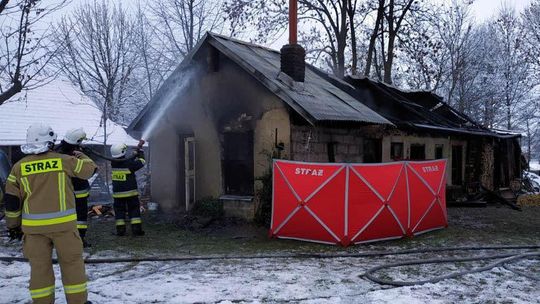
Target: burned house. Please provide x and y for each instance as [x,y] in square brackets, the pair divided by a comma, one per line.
[231,106]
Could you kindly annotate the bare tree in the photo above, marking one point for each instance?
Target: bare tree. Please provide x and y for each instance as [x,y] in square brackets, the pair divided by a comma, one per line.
[390,26]
[373,36]
[334,17]
[476,88]
[3,5]
[153,68]
[424,56]
[460,46]
[353,11]
[531,25]
[529,117]
[96,44]
[24,49]
[515,82]
[180,24]
[329,26]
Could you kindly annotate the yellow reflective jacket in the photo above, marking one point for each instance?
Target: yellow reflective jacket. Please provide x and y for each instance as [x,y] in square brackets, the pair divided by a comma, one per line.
[42,183]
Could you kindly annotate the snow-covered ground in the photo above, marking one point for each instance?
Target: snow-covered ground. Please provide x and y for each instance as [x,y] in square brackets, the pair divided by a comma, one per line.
[534,165]
[336,280]
[296,280]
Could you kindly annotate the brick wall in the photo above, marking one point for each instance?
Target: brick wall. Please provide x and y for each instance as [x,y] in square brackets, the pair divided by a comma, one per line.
[312,143]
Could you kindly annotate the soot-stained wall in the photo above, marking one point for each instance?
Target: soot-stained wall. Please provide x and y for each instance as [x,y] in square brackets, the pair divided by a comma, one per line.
[219,100]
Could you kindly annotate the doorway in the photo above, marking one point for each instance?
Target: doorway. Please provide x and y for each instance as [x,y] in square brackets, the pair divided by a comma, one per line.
[439,151]
[457,165]
[372,150]
[189,171]
[418,152]
[238,163]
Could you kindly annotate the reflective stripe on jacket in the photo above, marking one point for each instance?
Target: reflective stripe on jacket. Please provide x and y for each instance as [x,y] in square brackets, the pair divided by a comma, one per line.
[82,193]
[42,185]
[123,176]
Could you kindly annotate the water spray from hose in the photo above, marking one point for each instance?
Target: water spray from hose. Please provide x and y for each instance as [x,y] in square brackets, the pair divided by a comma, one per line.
[171,93]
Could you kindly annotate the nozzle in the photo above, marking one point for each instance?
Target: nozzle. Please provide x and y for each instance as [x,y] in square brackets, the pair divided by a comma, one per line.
[141,144]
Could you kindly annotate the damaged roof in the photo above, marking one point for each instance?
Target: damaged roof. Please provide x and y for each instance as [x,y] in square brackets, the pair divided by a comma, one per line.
[417,110]
[317,100]
[325,98]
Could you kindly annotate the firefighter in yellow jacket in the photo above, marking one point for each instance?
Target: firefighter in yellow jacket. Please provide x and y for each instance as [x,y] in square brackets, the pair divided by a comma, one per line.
[39,199]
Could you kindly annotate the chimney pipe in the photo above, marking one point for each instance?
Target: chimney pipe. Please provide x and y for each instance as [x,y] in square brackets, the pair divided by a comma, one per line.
[293,55]
[293,21]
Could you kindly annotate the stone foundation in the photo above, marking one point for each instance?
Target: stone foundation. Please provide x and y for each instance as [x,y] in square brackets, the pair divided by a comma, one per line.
[238,206]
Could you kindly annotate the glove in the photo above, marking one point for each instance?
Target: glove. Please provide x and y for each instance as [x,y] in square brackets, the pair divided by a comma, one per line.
[15,233]
[78,154]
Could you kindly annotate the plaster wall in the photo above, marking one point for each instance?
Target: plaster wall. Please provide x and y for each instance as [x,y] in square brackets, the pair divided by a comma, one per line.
[165,190]
[272,129]
[221,99]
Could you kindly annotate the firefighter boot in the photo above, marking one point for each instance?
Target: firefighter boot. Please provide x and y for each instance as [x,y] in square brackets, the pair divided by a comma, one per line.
[136,229]
[120,230]
[82,233]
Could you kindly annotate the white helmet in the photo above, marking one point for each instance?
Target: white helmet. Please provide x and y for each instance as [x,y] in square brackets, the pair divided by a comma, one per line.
[40,134]
[39,139]
[118,150]
[75,136]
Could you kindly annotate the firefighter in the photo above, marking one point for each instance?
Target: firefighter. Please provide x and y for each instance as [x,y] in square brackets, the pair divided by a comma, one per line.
[40,203]
[69,145]
[125,193]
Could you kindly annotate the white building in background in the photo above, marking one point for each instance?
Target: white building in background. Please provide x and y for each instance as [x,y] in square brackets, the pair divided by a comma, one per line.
[63,106]
[60,105]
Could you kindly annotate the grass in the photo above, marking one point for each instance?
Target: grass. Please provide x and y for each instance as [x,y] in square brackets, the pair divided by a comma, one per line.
[467,226]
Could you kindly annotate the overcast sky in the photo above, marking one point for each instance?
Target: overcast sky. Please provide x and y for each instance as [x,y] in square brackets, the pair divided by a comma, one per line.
[483,9]
[480,9]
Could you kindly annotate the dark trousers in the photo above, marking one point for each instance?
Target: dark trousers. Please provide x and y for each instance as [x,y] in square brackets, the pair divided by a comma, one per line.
[81,206]
[127,206]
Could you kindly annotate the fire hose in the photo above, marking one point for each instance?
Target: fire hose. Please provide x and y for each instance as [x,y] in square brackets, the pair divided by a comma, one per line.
[88,150]
[501,260]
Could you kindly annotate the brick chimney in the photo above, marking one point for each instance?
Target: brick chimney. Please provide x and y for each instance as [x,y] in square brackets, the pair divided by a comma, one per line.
[293,55]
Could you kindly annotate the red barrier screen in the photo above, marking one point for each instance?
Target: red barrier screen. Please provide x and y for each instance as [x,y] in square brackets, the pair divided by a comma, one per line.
[357,203]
